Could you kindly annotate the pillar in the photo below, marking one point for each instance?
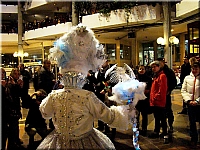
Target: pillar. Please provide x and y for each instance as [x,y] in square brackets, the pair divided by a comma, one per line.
[167,32]
[75,15]
[20,32]
[182,47]
[135,52]
[155,47]
[43,51]
[118,53]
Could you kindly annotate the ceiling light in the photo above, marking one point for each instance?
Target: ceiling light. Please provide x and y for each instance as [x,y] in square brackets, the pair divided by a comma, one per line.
[160,40]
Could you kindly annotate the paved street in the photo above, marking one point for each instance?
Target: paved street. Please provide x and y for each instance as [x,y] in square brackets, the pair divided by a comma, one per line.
[123,139]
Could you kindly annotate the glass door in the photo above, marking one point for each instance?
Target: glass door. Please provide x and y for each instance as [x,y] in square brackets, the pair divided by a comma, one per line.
[148,53]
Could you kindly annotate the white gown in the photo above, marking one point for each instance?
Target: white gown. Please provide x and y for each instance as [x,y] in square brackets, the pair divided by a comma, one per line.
[73,112]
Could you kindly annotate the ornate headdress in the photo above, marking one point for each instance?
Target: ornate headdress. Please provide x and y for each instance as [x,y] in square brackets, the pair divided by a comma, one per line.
[78,51]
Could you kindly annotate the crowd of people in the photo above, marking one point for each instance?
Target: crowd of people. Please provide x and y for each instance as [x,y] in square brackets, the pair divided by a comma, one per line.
[47,21]
[72,104]
[160,81]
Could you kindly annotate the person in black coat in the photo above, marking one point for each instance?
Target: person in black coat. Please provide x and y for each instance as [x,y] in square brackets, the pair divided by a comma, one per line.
[35,123]
[185,70]
[100,87]
[46,81]
[5,107]
[26,78]
[15,87]
[171,84]
[91,81]
[46,78]
[143,106]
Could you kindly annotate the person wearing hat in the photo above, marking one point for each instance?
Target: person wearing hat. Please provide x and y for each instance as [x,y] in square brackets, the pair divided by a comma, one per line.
[158,94]
[185,70]
[171,83]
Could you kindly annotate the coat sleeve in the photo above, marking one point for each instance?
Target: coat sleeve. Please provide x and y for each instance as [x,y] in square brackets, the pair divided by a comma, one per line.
[46,107]
[184,92]
[116,116]
[162,92]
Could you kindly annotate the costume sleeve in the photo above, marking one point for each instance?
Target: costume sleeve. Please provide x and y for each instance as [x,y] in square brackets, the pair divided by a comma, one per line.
[184,92]
[46,107]
[116,116]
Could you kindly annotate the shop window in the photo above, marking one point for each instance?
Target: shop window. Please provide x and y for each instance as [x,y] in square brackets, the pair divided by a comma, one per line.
[193,41]
[148,53]
[110,50]
[8,61]
[125,52]
[160,51]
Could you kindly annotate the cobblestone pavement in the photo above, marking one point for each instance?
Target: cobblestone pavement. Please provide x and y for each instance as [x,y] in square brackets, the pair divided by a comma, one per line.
[123,139]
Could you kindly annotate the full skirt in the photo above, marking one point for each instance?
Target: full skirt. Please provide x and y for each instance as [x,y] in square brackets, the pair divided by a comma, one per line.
[92,140]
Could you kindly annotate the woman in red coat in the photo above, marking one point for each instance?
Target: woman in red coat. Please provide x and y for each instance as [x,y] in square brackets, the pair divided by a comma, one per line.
[158,100]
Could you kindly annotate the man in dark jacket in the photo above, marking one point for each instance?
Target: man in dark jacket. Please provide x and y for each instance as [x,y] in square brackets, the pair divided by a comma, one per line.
[46,79]
[35,123]
[185,70]
[91,81]
[99,87]
[171,83]
[26,78]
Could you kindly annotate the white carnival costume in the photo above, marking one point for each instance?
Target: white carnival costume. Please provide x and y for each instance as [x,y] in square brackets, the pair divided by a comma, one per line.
[73,109]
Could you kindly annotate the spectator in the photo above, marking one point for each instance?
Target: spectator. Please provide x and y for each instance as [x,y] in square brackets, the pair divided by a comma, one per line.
[192,60]
[191,95]
[35,24]
[185,70]
[99,88]
[158,99]
[171,84]
[34,122]
[143,106]
[91,81]
[46,21]
[5,106]
[35,78]
[15,86]
[46,79]
[26,78]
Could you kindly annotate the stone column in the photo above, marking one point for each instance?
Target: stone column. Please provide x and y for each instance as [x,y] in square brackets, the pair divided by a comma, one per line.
[75,15]
[167,32]
[43,51]
[182,47]
[135,52]
[118,53]
[20,32]
[155,47]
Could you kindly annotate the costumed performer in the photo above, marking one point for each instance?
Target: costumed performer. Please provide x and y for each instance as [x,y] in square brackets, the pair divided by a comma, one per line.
[73,109]
[125,88]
